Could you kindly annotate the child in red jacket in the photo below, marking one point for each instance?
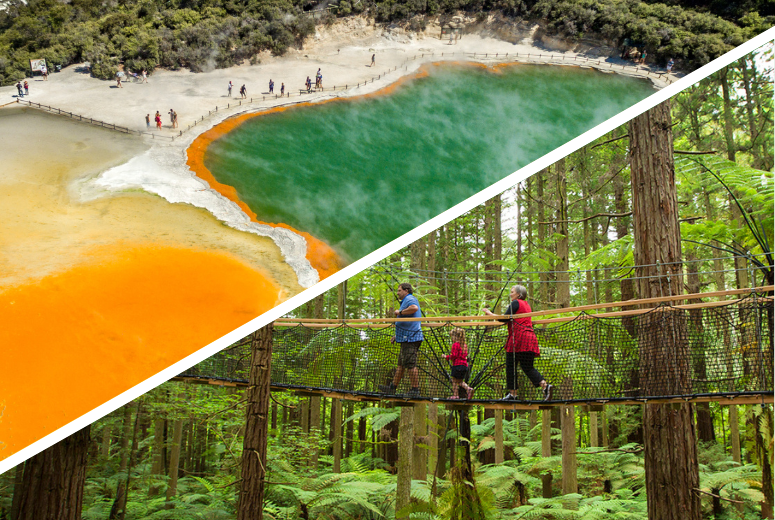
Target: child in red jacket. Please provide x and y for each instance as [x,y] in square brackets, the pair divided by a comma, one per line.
[459,357]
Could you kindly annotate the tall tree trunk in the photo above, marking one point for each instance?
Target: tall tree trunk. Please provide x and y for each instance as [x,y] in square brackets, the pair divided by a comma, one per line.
[404,480]
[174,468]
[543,276]
[336,428]
[672,472]
[563,254]
[52,484]
[119,503]
[251,500]
[314,423]
[157,466]
[729,135]
[705,430]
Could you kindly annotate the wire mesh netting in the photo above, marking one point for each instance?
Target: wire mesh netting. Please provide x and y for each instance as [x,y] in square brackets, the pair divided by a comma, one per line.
[666,352]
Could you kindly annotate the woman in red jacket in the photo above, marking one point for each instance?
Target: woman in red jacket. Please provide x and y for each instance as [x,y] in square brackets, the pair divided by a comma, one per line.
[521,346]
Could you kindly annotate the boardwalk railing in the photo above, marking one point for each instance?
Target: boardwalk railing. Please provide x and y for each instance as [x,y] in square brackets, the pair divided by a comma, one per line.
[499,58]
[96,122]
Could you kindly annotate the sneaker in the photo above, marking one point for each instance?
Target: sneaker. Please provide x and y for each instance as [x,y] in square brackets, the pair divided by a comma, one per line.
[388,389]
[414,392]
[470,393]
[548,392]
[509,397]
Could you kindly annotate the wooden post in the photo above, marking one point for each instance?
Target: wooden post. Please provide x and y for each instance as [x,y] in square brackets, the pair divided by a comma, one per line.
[546,450]
[568,422]
[337,435]
[605,441]
[498,436]
[420,457]
[433,437]
[406,441]
[734,433]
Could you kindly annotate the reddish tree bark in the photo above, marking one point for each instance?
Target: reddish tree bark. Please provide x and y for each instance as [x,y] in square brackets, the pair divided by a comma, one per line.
[672,473]
[251,502]
[52,485]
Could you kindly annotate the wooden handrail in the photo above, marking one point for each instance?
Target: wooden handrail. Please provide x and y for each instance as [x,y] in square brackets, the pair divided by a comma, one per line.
[582,308]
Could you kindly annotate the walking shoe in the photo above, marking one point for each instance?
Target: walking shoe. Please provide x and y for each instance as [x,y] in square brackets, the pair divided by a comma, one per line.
[509,397]
[388,389]
[548,392]
[470,392]
[414,392]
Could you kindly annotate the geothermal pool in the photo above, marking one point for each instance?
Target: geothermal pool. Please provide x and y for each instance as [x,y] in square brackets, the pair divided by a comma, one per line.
[361,172]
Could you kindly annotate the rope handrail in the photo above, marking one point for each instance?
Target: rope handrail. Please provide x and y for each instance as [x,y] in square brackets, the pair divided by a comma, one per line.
[488,320]
[549,312]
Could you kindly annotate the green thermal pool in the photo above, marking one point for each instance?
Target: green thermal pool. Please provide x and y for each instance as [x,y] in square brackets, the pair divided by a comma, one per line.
[360,173]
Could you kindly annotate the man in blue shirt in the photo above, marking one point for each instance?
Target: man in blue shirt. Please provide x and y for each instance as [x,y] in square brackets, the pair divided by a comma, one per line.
[409,335]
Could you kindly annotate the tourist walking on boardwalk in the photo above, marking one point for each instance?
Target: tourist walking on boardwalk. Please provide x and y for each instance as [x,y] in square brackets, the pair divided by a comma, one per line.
[670,64]
[308,84]
[158,120]
[271,86]
[282,89]
[148,120]
[44,71]
[409,336]
[243,91]
[458,355]
[26,88]
[373,57]
[20,89]
[145,76]
[118,80]
[230,85]
[643,57]
[521,346]
[174,119]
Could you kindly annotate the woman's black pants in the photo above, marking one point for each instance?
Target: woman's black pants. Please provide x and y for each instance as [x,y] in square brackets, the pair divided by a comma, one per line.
[524,360]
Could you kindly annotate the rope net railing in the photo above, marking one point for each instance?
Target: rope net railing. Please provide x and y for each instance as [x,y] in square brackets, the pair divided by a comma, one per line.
[725,350]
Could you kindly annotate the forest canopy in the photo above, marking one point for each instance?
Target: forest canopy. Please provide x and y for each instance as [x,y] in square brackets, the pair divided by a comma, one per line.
[206,34]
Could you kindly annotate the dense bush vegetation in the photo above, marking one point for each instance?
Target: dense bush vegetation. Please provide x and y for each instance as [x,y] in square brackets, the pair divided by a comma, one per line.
[205,34]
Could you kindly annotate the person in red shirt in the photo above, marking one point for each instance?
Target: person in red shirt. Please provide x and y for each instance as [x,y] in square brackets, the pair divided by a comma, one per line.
[521,346]
[459,357]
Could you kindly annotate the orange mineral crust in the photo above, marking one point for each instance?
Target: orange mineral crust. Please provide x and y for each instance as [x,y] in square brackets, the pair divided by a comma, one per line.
[74,340]
[320,255]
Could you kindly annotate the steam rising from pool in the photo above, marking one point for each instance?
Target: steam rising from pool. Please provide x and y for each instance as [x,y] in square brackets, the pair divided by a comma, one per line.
[361,173]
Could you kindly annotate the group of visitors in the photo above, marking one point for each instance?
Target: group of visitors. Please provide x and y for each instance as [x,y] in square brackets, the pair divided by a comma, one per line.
[521,348]
[23,89]
[243,90]
[318,81]
[157,119]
